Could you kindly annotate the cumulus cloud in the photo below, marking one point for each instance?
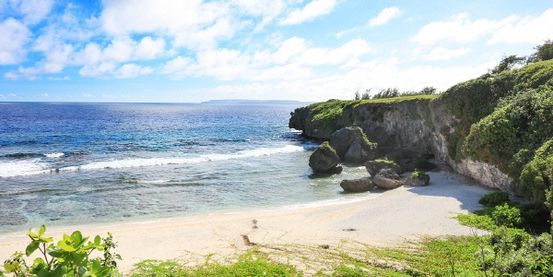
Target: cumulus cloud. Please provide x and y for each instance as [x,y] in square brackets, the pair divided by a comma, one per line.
[442,53]
[385,16]
[32,11]
[375,73]
[13,37]
[131,71]
[295,58]
[309,12]
[512,29]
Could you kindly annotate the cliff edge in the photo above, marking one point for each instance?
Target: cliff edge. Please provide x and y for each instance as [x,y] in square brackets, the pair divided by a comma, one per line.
[489,128]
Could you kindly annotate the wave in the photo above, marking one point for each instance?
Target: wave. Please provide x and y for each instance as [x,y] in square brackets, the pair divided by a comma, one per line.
[34,166]
[142,162]
[54,155]
[22,168]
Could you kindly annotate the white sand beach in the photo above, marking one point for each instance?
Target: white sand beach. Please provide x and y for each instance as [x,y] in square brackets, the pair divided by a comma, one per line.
[391,218]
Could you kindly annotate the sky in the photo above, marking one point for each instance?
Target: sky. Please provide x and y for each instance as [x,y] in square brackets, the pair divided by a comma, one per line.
[307,50]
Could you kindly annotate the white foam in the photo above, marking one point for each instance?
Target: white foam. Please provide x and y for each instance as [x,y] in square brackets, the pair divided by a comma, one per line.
[54,155]
[142,162]
[22,168]
[155,181]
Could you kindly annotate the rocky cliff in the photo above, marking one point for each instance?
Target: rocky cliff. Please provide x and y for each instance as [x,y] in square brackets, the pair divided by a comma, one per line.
[448,126]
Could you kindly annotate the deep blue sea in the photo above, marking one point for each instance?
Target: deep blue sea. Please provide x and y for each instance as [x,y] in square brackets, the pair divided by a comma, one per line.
[71,163]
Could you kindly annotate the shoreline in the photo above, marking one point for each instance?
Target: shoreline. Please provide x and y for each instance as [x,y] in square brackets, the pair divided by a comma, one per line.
[389,218]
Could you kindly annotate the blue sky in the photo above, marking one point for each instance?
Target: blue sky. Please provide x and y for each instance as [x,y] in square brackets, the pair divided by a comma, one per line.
[188,51]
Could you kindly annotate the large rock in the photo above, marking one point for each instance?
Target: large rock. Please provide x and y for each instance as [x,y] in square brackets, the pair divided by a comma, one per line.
[324,159]
[357,185]
[417,179]
[387,179]
[374,166]
[352,145]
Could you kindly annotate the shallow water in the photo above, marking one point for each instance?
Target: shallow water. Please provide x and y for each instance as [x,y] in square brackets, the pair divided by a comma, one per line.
[80,163]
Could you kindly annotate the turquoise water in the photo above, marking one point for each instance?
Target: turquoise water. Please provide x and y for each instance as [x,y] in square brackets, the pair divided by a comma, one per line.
[80,163]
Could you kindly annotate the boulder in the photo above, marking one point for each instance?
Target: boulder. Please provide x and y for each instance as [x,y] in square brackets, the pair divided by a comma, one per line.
[416,182]
[418,179]
[387,179]
[352,145]
[325,160]
[374,166]
[357,185]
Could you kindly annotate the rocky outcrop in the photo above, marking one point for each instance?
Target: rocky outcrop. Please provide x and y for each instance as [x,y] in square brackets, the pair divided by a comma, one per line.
[405,131]
[357,185]
[387,179]
[375,166]
[418,179]
[352,145]
[325,160]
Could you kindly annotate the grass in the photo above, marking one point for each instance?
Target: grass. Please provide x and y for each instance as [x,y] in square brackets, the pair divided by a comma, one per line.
[327,114]
[249,264]
[431,256]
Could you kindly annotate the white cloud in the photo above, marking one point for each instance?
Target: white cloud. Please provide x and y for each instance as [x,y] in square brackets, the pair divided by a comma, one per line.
[131,70]
[13,37]
[33,11]
[294,59]
[97,70]
[266,9]
[149,48]
[526,29]
[442,53]
[513,29]
[376,74]
[312,10]
[385,16]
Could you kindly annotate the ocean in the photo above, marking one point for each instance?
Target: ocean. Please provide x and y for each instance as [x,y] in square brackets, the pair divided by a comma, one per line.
[76,163]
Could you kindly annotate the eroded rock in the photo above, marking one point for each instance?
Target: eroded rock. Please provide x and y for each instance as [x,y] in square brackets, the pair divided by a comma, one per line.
[325,160]
[387,179]
[357,185]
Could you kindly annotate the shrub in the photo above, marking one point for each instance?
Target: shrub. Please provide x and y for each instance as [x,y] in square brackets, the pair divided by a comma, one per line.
[505,215]
[517,253]
[493,199]
[71,256]
[536,176]
[483,222]
[522,125]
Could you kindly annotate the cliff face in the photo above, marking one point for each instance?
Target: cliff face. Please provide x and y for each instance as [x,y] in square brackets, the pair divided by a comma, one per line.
[420,125]
[487,128]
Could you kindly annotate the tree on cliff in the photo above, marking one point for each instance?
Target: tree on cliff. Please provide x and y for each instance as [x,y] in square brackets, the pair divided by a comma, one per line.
[543,52]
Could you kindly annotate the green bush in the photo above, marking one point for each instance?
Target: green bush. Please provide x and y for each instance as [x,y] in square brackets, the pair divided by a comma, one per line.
[493,199]
[483,222]
[536,176]
[514,252]
[506,215]
[522,125]
[71,256]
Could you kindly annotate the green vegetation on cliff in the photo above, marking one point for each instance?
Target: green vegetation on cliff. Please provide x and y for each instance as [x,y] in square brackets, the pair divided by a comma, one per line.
[327,114]
[501,118]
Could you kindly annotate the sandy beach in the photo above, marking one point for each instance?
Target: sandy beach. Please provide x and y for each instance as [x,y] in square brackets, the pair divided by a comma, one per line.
[390,218]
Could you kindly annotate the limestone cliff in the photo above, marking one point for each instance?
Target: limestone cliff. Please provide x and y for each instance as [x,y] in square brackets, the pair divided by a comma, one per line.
[439,125]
